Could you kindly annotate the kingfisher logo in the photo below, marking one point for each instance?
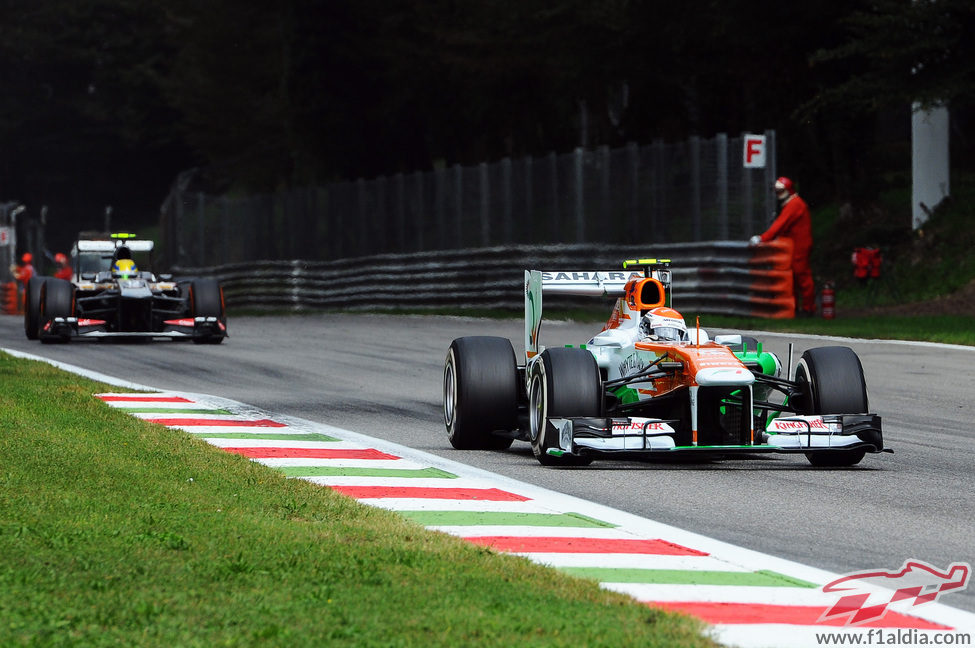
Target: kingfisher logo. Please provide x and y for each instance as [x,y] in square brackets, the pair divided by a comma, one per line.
[866,596]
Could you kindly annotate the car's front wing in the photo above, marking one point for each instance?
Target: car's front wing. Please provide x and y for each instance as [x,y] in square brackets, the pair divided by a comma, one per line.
[184,328]
[794,434]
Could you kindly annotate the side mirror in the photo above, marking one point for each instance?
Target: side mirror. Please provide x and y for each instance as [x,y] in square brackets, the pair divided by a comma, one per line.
[88,276]
[166,277]
[728,340]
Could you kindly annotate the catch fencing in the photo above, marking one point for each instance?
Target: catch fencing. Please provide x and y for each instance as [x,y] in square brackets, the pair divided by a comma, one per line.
[718,277]
[697,190]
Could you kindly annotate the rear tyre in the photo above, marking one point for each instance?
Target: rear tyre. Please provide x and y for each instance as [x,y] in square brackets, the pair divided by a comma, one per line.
[206,300]
[56,300]
[480,392]
[831,381]
[564,382]
[32,309]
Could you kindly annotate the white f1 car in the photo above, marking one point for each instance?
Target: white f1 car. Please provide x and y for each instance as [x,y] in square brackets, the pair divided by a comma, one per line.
[646,384]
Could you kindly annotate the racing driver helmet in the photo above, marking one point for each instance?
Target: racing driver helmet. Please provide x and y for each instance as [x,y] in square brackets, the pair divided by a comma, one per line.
[124,269]
[664,323]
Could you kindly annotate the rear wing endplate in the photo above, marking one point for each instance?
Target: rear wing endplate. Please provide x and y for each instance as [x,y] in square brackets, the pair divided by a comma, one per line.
[585,283]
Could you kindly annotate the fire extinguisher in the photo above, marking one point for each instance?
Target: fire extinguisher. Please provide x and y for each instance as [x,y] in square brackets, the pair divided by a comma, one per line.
[829,301]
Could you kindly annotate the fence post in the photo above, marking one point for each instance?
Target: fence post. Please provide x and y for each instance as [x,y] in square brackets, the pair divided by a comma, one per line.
[400,209]
[695,149]
[459,204]
[633,206]
[506,199]
[748,207]
[721,144]
[529,220]
[382,228]
[605,198]
[439,202]
[770,172]
[224,217]
[553,165]
[420,216]
[658,220]
[360,185]
[200,231]
[580,213]
[485,187]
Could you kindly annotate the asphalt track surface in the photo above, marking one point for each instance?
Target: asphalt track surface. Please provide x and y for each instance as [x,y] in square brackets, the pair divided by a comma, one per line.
[381,375]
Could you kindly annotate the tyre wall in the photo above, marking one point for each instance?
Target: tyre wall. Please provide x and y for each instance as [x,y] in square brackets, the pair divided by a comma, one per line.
[717,277]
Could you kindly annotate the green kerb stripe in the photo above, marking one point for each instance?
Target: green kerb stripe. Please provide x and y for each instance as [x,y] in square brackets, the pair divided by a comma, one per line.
[327,471]
[501,518]
[762,578]
[267,436]
[172,410]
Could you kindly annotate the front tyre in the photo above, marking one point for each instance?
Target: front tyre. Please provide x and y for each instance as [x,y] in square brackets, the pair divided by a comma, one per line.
[831,381]
[564,382]
[56,300]
[206,300]
[480,392]
[32,309]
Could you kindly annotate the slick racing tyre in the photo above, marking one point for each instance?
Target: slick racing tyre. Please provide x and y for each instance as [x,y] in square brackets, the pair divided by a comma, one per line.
[480,393]
[206,300]
[564,382]
[831,381]
[32,309]
[56,300]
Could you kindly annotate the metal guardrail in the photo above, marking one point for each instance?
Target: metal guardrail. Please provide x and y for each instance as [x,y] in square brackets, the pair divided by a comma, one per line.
[717,277]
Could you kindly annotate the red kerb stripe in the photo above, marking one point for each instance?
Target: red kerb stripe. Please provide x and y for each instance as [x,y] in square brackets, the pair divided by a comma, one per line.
[523,544]
[786,614]
[145,399]
[372,492]
[183,422]
[311,453]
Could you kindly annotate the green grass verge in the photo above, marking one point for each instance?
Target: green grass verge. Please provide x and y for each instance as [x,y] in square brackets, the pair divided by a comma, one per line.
[918,265]
[119,532]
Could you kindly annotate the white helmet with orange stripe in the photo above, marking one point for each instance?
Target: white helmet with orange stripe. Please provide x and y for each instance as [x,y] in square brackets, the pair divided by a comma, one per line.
[664,323]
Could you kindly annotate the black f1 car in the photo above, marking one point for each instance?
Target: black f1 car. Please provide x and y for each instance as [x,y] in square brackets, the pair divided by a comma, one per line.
[109,296]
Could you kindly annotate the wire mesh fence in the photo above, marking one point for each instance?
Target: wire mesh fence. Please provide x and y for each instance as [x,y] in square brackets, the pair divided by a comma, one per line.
[689,191]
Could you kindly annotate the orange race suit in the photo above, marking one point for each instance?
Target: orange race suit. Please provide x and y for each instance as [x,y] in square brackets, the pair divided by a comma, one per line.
[794,222]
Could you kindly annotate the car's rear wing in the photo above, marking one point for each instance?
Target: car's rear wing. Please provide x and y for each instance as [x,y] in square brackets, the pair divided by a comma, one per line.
[136,245]
[587,283]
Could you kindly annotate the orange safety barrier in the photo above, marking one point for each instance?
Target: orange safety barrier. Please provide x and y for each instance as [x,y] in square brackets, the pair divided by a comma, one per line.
[772,276]
[11,303]
[774,255]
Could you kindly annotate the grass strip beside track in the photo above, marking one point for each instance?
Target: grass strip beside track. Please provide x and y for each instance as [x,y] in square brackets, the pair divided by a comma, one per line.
[116,531]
